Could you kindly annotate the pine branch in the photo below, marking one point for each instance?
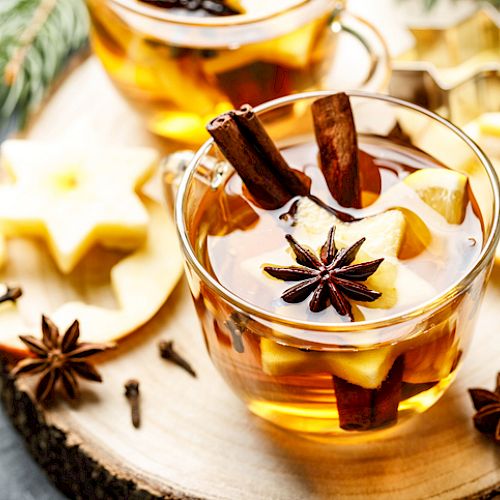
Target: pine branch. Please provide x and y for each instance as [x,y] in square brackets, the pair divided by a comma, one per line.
[36,38]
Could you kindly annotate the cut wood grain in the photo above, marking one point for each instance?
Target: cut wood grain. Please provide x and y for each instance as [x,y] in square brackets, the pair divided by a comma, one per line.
[196,439]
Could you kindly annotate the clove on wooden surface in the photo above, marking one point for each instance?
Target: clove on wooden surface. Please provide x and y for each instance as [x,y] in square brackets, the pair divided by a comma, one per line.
[168,352]
[132,394]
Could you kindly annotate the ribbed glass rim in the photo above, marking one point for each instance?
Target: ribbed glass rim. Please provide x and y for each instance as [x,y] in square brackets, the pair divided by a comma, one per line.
[160,14]
[430,305]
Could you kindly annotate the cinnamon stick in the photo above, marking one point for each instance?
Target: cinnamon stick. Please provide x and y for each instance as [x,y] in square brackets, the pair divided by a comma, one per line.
[338,148]
[244,142]
[363,409]
[386,398]
[354,404]
[295,182]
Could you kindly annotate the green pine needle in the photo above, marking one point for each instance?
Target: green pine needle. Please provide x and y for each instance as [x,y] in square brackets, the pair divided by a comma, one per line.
[36,38]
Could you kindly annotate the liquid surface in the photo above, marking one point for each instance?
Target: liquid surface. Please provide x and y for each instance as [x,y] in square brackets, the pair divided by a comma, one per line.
[236,238]
[224,7]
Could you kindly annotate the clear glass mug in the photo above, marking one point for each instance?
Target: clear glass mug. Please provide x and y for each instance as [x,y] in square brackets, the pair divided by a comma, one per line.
[288,371]
[182,71]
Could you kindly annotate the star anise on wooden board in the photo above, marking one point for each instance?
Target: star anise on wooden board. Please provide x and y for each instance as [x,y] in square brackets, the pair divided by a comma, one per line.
[330,278]
[59,358]
[487,404]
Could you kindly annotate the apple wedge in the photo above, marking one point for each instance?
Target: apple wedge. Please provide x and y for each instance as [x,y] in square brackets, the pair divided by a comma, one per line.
[443,190]
[367,369]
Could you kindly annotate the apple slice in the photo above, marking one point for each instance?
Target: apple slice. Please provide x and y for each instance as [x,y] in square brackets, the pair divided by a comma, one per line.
[417,236]
[367,369]
[384,232]
[74,198]
[141,282]
[292,50]
[443,190]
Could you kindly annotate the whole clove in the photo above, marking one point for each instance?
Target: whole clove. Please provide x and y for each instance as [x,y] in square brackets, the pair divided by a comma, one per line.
[132,394]
[168,352]
[11,294]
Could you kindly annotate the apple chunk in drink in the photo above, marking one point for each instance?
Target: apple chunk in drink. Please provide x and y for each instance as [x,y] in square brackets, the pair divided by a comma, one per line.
[326,275]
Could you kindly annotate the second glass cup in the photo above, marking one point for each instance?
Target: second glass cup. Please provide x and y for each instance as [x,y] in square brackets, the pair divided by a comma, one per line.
[337,380]
[182,70]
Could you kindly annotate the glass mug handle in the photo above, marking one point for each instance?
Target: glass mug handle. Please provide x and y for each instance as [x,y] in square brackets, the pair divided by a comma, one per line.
[379,70]
[211,172]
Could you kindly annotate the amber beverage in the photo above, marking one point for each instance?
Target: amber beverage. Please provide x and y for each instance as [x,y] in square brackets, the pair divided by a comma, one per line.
[181,68]
[318,372]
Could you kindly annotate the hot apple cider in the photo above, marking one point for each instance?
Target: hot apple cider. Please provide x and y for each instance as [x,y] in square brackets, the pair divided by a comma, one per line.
[368,229]
[172,63]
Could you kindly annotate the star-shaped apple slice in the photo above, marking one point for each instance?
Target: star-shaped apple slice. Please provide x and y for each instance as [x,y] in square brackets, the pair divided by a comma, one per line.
[384,233]
[73,198]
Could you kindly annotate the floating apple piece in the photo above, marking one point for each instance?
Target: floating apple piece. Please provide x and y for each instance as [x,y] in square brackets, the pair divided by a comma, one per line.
[384,233]
[367,369]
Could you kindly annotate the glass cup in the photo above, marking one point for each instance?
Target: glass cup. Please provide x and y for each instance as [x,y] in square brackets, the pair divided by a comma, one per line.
[311,377]
[180,71]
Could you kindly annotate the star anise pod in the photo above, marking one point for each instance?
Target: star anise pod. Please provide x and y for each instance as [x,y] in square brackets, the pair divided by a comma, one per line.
[330,277]
[487,404]
[58,358]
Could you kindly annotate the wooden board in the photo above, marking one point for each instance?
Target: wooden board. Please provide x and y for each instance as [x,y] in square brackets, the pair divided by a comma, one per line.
[197,439]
